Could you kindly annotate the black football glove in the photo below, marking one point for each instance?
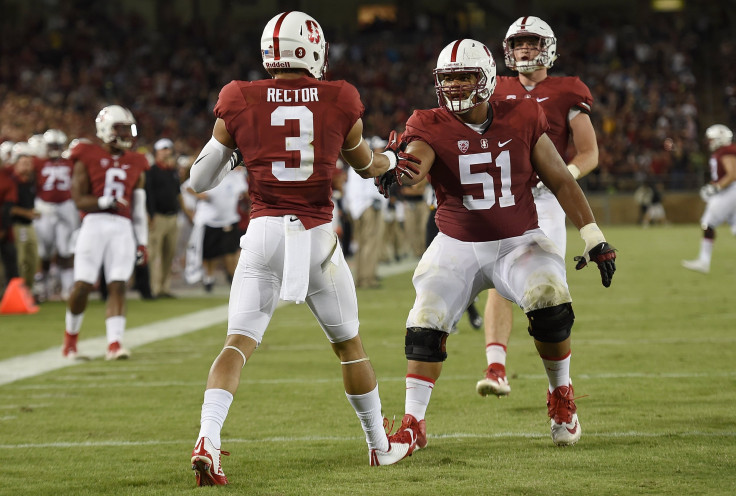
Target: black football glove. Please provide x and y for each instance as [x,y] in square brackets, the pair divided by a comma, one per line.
[604,255]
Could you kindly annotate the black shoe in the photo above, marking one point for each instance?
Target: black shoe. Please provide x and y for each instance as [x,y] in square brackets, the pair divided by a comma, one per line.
[476,321]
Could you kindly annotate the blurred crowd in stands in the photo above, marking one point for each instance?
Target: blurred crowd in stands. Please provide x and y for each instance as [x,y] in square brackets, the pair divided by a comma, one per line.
[657,82]
[650,78]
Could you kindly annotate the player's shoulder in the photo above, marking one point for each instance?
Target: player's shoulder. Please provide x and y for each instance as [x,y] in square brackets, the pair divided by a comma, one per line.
[569,85]
[428,117]
[726,150]
[84,151]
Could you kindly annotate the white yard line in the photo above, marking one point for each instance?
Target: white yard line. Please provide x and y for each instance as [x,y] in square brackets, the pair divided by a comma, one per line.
[299,439]
[33,364]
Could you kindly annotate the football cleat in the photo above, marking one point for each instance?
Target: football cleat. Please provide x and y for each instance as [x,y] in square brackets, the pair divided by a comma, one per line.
[697,265]
[564,423]
[206,463]
[476,320]
[494,382]
[115,351]
[402,443]
[69,348]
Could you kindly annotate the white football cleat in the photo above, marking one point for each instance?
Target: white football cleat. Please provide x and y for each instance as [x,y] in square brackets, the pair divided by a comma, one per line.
[697,265]
[206,463]
[115,351]
[494,382]
[564,423]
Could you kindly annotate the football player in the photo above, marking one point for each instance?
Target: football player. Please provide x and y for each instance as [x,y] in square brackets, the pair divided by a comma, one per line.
[530,48]
[289,131]
[59,216]
[483,158]
[719,194]
[108,183]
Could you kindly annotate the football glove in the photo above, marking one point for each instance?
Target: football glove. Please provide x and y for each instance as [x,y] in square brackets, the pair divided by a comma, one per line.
[141,255]
[709,191]
[236,159]
[110,202]
[401,164]
[604,255]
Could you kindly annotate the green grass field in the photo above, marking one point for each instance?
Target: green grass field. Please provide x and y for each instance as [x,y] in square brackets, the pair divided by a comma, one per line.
[655,354]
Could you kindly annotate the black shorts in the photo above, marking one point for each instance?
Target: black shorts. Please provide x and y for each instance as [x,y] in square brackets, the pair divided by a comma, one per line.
[219,241]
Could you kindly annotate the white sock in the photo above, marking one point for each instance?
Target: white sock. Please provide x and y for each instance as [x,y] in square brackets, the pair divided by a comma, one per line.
[115,327]
[73,322]
[214,412]
[368,408]
[418,392]
[496,353]
[558,371]
[706,250]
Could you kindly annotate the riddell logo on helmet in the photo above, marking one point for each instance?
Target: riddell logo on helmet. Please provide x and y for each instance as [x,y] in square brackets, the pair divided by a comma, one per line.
[277,65]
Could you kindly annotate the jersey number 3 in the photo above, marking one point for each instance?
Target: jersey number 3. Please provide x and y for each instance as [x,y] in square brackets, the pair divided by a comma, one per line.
[488,199]
[302,144]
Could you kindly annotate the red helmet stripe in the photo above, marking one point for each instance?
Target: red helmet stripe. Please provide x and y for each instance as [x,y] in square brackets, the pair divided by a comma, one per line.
[523,23]
[455,48]
[276,29]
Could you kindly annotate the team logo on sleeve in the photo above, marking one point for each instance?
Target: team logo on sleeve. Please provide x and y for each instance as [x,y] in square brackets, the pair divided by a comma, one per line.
[313,29]
[463,145]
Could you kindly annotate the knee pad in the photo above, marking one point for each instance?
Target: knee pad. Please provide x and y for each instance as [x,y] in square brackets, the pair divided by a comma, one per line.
[552,324]
[425,345]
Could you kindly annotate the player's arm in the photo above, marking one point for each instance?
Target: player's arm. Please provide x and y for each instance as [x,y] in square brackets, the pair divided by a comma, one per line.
[356,152]
[552,171]
[586,146]
[214,161]
[729,167]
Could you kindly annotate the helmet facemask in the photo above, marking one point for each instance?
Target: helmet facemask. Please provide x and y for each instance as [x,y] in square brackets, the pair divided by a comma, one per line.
[452,95]
[530,26]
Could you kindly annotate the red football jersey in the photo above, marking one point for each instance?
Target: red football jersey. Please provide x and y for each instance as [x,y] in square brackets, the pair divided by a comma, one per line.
[290,132]
[483,182]
[53,179]
[111,175]
[717,171]
[557,96]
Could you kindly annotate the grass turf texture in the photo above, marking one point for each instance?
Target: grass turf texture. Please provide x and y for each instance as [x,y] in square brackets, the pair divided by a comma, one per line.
[654,354]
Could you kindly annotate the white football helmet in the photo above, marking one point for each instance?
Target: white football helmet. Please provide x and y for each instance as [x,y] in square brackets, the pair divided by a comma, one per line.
[55,142]
[718,135]
[531,26]
[463,56]
[6,151]
[38,145]
[294,40]
[21,149]
[108,118]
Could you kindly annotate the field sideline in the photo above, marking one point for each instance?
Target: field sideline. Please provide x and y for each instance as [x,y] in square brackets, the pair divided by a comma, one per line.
[653,355]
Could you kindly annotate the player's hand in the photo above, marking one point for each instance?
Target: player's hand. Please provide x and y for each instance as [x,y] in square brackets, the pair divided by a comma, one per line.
[236,159]
[141,255]
[604,255]
[111,202]
[709,191]
[384,183]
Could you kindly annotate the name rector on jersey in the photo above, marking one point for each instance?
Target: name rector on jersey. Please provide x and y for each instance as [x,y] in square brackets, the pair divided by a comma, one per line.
[530,48]
[289,131]
[108,184]
[483,157]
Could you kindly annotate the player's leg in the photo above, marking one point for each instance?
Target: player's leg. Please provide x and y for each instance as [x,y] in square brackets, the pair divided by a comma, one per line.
[498,319]
[254,294]
[717,211]
[118,264]
[90,245]
[537,283]
[446,279]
